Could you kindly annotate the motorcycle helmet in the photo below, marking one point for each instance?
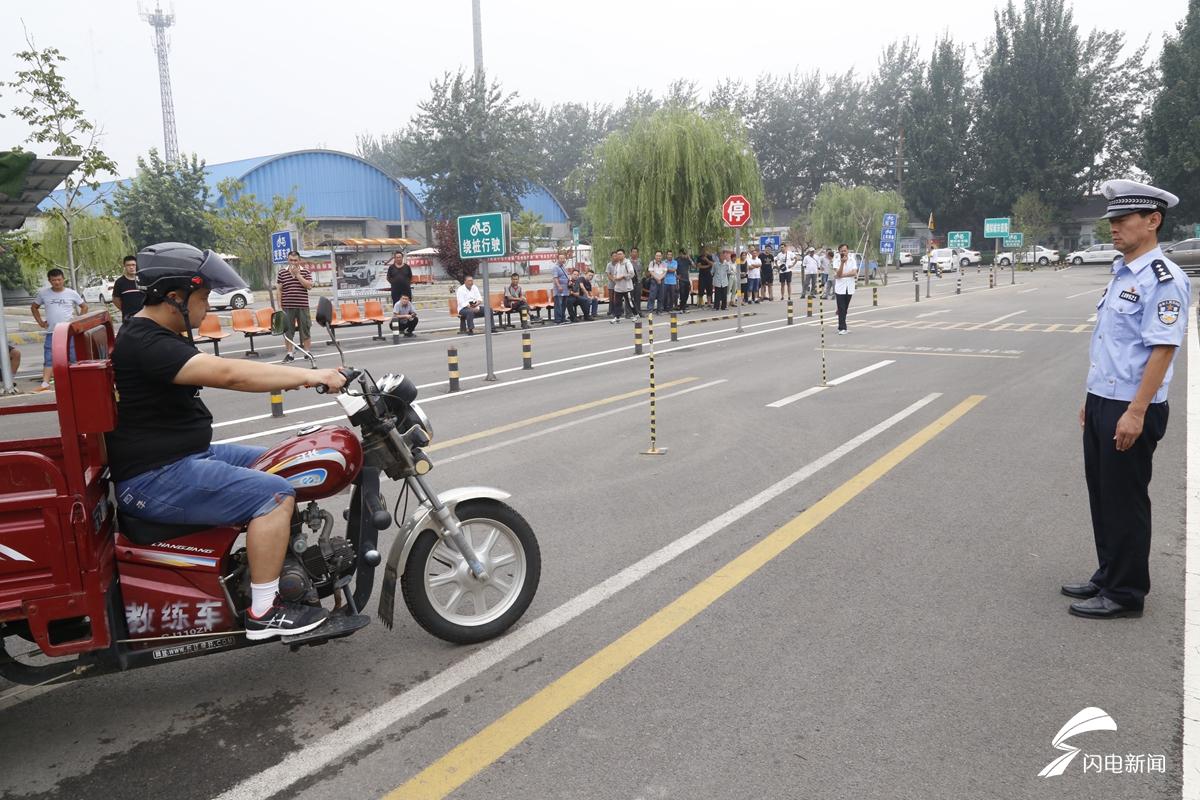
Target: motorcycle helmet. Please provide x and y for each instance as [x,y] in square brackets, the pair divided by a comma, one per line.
[174,266]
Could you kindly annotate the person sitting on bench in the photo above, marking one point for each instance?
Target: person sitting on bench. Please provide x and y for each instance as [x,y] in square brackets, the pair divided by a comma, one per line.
[514,300]
[470,304]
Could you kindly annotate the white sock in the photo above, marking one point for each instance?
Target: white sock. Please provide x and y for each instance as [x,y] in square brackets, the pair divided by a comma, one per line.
[262,597]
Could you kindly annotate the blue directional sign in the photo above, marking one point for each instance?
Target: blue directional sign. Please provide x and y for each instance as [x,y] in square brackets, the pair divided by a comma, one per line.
[281,245]
[887,246]
[890,220]
[888,234]
[772,240]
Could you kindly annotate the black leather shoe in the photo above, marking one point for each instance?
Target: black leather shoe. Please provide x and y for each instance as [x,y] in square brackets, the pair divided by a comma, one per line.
[1082,590]
[1100,607]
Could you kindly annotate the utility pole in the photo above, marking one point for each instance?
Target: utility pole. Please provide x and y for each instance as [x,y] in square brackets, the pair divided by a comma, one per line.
[900,151]
[478,29]
[160,21]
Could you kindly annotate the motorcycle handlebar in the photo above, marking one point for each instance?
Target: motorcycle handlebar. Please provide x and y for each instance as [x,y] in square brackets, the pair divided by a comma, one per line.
[351,375]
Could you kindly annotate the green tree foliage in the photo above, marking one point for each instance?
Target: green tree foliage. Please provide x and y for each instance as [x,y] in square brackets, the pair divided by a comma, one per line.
[1104,231]
[1114,88]
[941,162]
[1030,105]
[471,143]
[662,183]
[528,228]
[566,139]
[98,244]
[165,202]
[56,119]
[243,227]
[1172,127]
[1033,218]
[853,216]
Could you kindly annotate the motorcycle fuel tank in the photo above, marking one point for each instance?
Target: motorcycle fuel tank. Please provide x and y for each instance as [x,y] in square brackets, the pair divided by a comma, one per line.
[317,461]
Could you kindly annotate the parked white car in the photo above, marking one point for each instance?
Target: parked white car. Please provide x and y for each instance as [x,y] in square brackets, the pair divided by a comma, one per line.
[98,290]
[904,259]
[950,259]
[238,298]
[1096,254]
[1043,256]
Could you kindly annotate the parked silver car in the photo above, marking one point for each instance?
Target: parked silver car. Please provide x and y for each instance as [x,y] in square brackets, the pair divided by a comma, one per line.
[1185,253]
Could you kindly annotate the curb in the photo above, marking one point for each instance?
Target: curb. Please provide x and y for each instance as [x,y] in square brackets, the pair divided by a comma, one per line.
[26,338]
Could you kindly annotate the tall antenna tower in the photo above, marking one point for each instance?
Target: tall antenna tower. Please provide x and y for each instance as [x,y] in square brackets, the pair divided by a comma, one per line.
[160,21]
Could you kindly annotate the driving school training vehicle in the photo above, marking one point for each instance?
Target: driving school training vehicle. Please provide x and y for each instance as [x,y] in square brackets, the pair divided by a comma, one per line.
[98,591]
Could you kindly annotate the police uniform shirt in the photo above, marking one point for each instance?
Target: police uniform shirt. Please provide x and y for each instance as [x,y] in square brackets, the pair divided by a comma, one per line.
[1145,305]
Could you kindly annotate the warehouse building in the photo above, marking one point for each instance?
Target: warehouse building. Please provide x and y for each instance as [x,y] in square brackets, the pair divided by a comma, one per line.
[343,196]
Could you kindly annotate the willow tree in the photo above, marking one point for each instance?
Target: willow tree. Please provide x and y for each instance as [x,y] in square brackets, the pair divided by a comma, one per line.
[95,245]
[853,216]
[661,182]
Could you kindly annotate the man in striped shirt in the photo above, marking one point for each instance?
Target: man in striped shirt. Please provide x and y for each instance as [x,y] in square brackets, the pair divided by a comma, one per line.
[294,282]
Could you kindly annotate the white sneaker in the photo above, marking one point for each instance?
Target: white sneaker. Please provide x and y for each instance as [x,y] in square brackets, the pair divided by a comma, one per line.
[842,333]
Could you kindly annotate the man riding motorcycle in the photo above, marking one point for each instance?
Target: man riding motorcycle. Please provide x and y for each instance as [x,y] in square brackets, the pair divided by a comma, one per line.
[161,455]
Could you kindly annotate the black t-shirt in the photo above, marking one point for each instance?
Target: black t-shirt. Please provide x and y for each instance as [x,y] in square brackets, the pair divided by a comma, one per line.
[158,422]
[399,277]
[767,259]
[682,265]
[132,298]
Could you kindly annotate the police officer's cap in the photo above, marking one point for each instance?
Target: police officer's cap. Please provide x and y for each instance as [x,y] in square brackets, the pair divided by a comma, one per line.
[1126,197]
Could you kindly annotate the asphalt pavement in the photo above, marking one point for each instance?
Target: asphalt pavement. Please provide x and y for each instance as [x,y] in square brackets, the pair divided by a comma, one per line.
[838,592]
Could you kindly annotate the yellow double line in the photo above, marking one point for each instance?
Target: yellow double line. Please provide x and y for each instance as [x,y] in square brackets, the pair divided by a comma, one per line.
[484,748]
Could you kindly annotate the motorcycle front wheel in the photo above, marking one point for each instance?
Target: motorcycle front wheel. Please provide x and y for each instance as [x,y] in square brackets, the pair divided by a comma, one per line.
[447,601]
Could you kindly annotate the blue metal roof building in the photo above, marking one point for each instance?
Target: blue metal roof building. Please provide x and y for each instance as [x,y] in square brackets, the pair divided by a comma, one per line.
[343,194]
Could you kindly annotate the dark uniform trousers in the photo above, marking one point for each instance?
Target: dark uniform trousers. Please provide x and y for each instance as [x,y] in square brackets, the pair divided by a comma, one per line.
[1119,494]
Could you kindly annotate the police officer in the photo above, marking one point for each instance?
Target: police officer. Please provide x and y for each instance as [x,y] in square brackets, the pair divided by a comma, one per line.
[1140,323]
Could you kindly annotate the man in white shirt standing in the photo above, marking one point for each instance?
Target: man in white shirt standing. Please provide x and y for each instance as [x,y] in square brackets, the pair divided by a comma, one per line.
[810,273]
[844,278]
[470,304]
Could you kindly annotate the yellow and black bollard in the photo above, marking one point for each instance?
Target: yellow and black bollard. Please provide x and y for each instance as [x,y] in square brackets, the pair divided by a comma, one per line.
[958,281]
[874,295]
[524,316]
[637,337]
[674,328]
[809,306]
[791,311]
[277,403]
[527,350]
[822,327]
[992,280]
[654,450]
[917,291]
[452,365]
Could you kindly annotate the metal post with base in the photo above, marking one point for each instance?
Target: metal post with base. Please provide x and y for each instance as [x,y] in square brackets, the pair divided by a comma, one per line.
[654,449]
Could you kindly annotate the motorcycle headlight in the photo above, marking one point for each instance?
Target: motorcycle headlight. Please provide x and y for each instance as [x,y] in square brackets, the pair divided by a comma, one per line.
[398,392]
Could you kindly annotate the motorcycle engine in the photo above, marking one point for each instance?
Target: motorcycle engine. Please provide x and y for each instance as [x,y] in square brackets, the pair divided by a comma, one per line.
[314,573]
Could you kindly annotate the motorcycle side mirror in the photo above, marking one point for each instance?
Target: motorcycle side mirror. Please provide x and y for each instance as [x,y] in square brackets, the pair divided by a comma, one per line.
[278,327]
[324,312]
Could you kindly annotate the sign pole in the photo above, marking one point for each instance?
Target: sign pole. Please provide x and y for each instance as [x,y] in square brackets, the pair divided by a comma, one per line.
[487,318]
[737,245]
[5,364]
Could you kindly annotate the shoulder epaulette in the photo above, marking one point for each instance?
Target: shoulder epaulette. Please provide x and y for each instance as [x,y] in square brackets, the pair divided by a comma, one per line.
[1161,271]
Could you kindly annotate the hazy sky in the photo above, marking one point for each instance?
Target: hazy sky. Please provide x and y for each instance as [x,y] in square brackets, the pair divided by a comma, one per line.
[255,77]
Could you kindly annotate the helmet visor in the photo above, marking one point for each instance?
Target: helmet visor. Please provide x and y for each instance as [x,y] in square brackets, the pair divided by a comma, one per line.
[219,276]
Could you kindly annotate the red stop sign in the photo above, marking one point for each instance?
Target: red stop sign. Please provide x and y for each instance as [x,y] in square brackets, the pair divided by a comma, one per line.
[735,211]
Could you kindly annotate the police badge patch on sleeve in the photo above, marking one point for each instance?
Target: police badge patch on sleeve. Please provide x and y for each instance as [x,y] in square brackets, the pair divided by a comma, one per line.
[1168,311]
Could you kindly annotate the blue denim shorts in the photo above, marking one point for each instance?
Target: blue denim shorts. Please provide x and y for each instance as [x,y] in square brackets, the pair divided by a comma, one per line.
[48,350]
[212,488]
